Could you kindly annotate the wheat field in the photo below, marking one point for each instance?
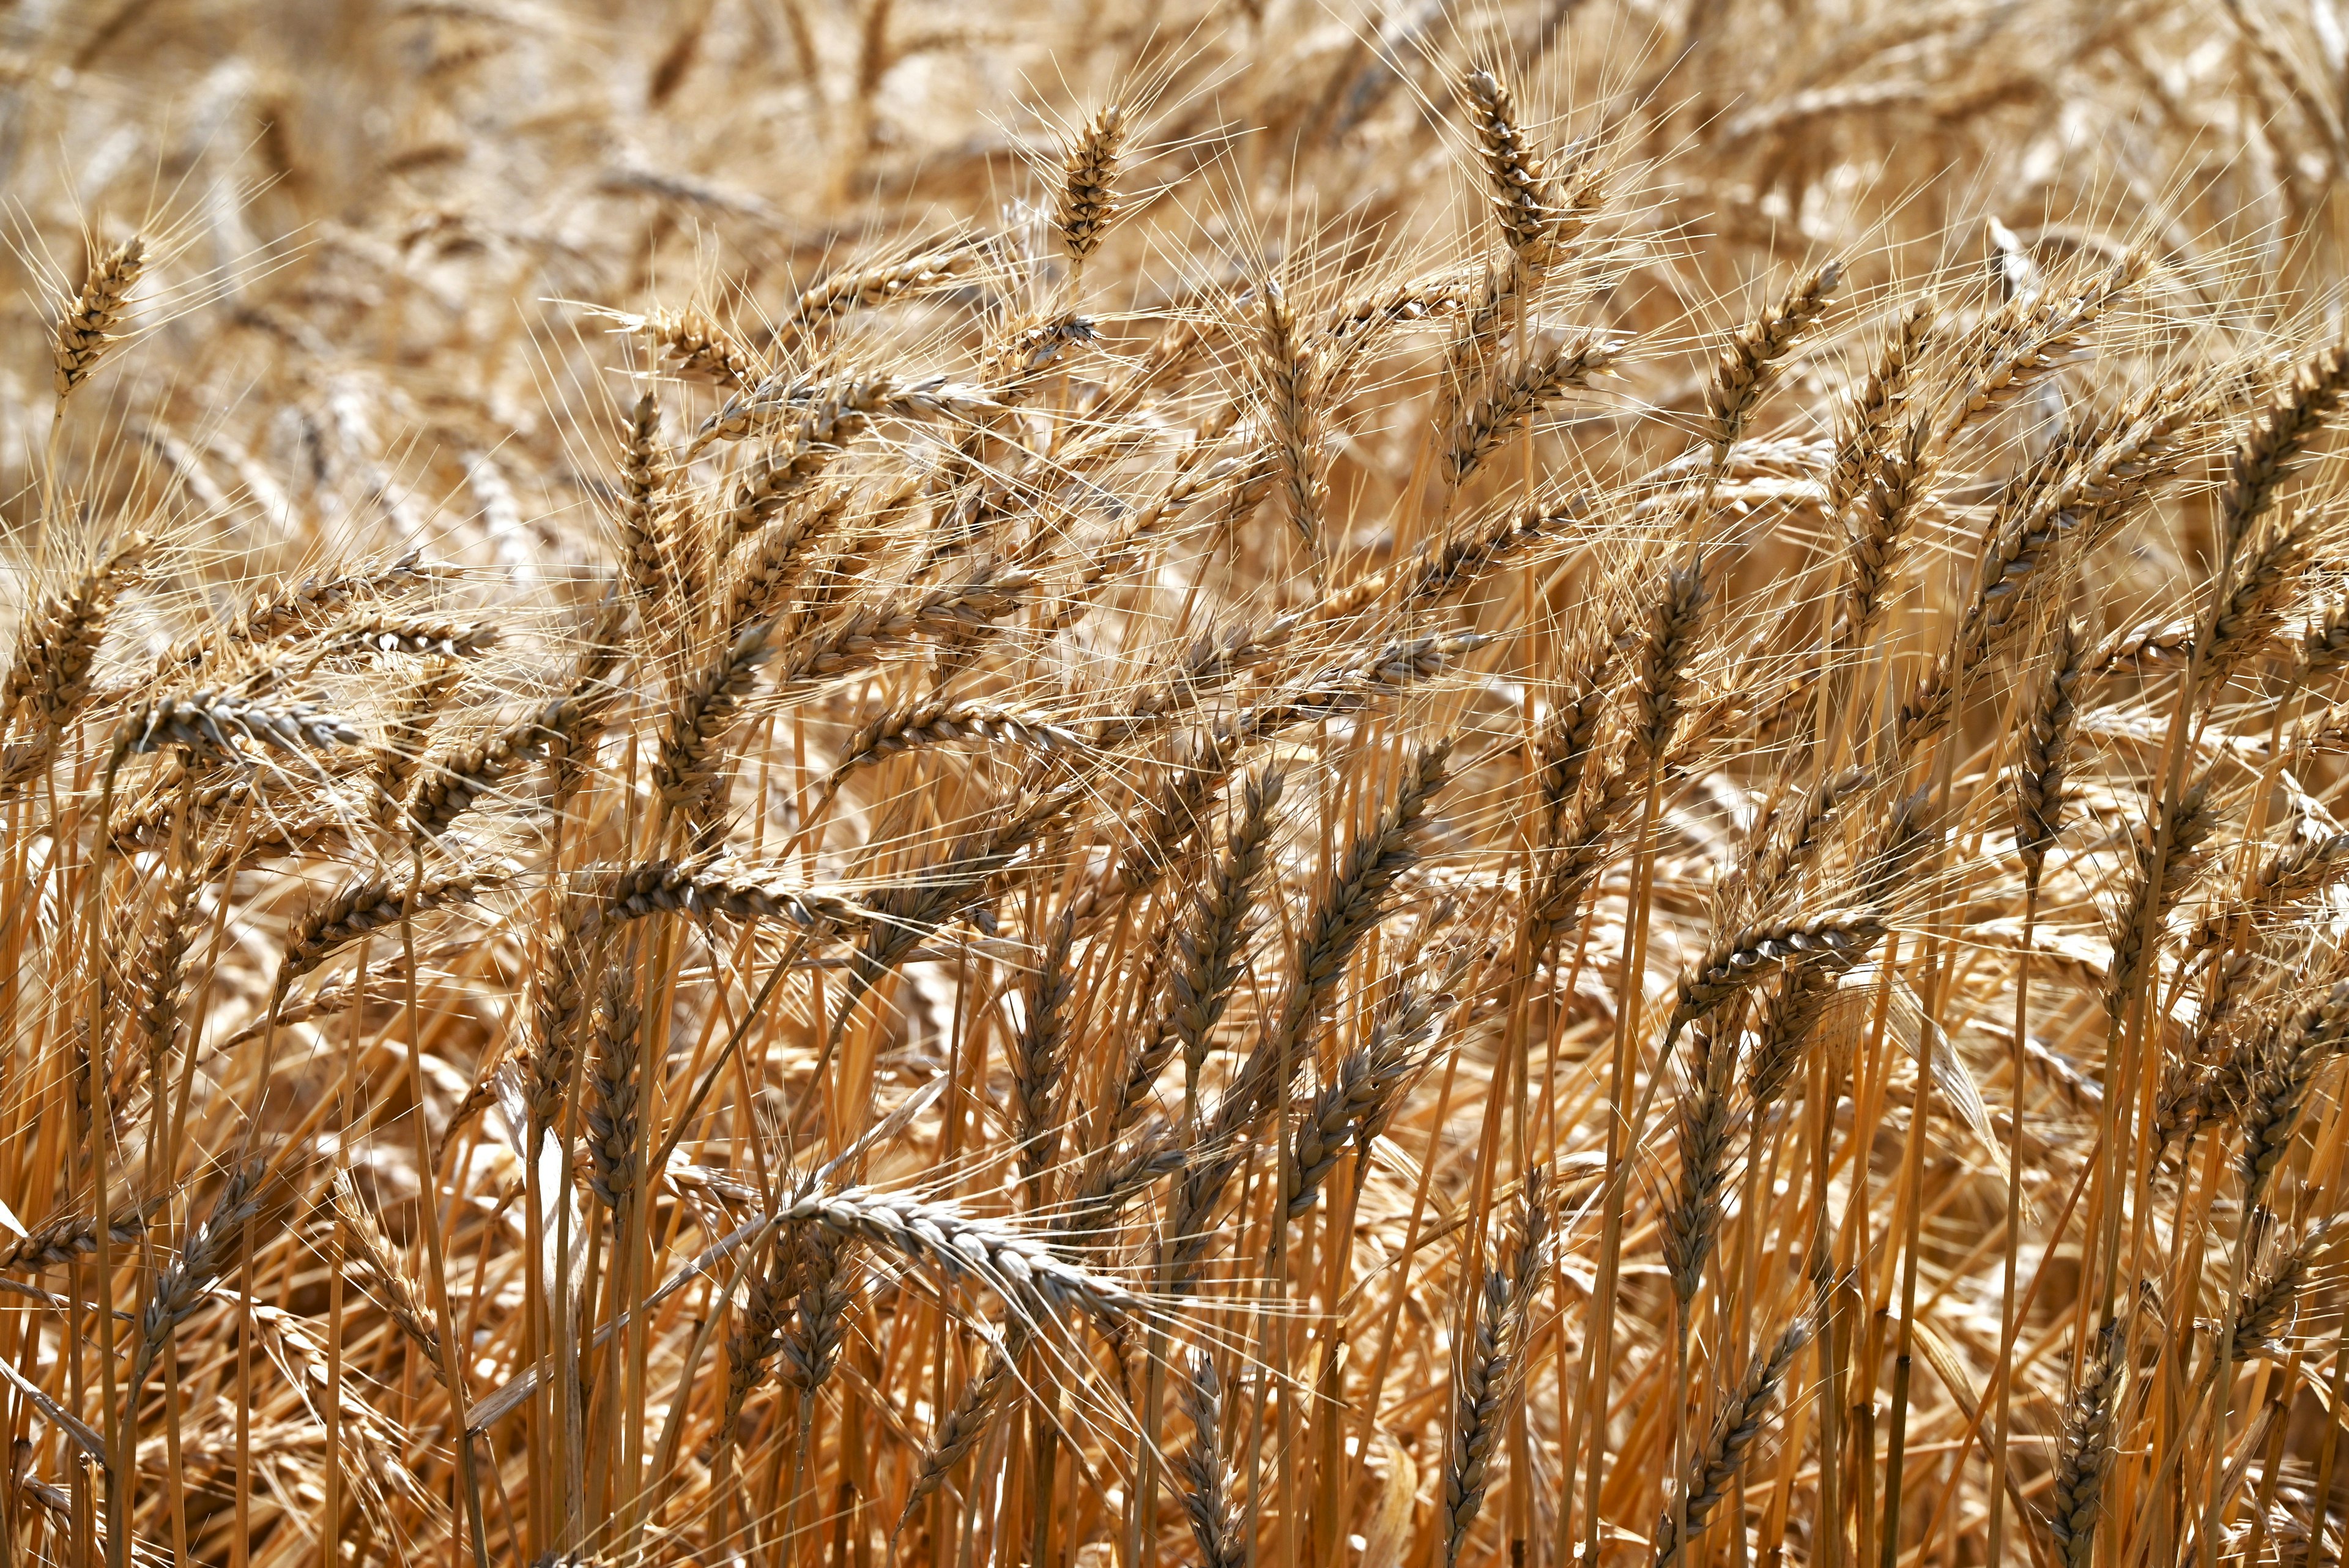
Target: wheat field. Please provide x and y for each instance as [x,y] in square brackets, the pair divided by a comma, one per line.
[1310,783]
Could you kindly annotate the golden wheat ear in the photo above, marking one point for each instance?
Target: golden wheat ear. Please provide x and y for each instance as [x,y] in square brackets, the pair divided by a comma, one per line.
[88,325]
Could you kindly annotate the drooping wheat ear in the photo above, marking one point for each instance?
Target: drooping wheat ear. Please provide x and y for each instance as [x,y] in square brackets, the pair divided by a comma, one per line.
[2302,867]
[611,1109]
[1754,355]
[1356,684]
[403,1302]
[867,287]
[2269,451]
[454,783]
[811,1341]
[209,723]
[2270,1298]
[284,606]
[698,346]
[182,1286]
[88,325]
[2028,339]
[1014,364]
[2282,1065]
[586,705]
[644,548]
[1792,840]
[71,1236]
[1863,436]
[1489,1372]
[1362,1096]
[1693,1220]
[1442,569]
[2045,746]
[369,905]
[418,635]
[1507,408]
[766,1307]
[1747,957]
[865,636]
[707,887]
[703,711]
[1207,1476]
[1286,365]
[1734,1430]
[2191,820]
[1539,214]
[1015,1265]
[56,645]
[930,721]
[828,413]
[1039,1050]
[1088,198]
[969,1419]
[2084,1454]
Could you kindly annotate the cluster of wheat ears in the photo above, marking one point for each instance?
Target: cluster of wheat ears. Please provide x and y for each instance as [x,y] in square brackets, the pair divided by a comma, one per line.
[1121,784]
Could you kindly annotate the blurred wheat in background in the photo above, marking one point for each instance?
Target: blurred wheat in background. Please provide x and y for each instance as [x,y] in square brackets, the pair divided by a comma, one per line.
[1085,782]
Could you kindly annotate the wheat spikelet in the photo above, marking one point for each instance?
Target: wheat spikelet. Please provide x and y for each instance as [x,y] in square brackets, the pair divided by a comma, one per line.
[1519,400]
[1358,1098]
[209,723]
[2265,1309]
[2156,886]
[1207,1476]
[2268,452]
[1014,1266]
[1744,958]
[2075,1503]
[70,1236]
[697,346]
[1694,1218]
[2047,744]
[1734,1431]
[182,1286]
[48,678]
[366,905]
[1287,372]
[1490,1372]
[611,1109]
[2280,1071]
[1753,360]
[1088,198]
[403,1302]
[88,325]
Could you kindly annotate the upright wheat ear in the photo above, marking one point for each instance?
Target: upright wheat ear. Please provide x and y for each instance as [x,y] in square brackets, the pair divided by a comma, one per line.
[1291,394]
[88,325]
[1088,203]
[1754,356]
